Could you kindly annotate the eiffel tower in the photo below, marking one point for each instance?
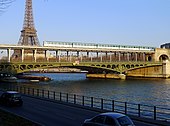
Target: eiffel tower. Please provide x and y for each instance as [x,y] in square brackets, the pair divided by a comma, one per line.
[28,35]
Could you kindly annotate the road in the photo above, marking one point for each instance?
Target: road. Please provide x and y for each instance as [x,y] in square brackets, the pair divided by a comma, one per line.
[49,113]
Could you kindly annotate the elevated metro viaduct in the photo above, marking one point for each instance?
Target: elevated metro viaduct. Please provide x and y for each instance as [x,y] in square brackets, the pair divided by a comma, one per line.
[109,64]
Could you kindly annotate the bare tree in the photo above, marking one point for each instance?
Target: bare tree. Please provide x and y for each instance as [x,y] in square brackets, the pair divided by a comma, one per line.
[4,4]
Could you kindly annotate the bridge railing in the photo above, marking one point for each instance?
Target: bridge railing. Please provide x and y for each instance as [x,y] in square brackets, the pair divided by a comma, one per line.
[139,110]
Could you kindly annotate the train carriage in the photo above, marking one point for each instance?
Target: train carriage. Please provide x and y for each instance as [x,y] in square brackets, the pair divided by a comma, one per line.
[84,45]
[57,44]
[95,46]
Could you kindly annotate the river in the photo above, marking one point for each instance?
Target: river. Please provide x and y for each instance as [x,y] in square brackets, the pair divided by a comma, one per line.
[142,91]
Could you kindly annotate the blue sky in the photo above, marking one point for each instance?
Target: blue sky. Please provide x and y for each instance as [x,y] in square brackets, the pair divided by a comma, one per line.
[124,22]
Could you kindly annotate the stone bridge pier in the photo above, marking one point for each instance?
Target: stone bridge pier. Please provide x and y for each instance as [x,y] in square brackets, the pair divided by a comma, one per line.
[166,69]
[161,54]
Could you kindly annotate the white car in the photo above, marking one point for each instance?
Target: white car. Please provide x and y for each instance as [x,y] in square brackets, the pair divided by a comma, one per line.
[109,119]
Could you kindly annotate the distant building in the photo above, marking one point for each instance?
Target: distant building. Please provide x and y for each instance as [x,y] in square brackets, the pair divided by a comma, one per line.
[165,46]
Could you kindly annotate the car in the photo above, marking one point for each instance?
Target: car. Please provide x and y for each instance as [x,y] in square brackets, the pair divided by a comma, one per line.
[109,119]
[11,98]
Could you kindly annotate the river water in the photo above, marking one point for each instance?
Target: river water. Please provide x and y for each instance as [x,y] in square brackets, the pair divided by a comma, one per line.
[140,91]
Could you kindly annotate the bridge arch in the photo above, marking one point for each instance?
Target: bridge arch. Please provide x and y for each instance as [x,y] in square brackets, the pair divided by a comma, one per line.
[149,58]
[108,66]
[162,54]
[103,66]
[163,57]
[128,66]
[132,66]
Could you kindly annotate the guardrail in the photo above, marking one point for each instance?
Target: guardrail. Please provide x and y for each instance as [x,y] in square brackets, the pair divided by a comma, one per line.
[139,110]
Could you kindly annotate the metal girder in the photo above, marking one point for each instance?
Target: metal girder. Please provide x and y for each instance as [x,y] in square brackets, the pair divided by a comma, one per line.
[119,67]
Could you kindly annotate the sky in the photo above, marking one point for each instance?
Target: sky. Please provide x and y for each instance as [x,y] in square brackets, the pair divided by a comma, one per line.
[122,22]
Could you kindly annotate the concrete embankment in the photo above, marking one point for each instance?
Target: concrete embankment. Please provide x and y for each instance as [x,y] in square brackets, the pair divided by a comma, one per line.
[107,76]
[147,76]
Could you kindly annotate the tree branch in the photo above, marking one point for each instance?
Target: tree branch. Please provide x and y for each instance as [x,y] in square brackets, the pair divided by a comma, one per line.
[4,4]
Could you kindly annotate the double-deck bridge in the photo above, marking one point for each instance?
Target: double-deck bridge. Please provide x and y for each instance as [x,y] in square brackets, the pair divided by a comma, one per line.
[98,59]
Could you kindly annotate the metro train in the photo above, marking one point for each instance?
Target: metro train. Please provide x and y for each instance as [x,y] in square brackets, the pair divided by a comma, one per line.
[95,46]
